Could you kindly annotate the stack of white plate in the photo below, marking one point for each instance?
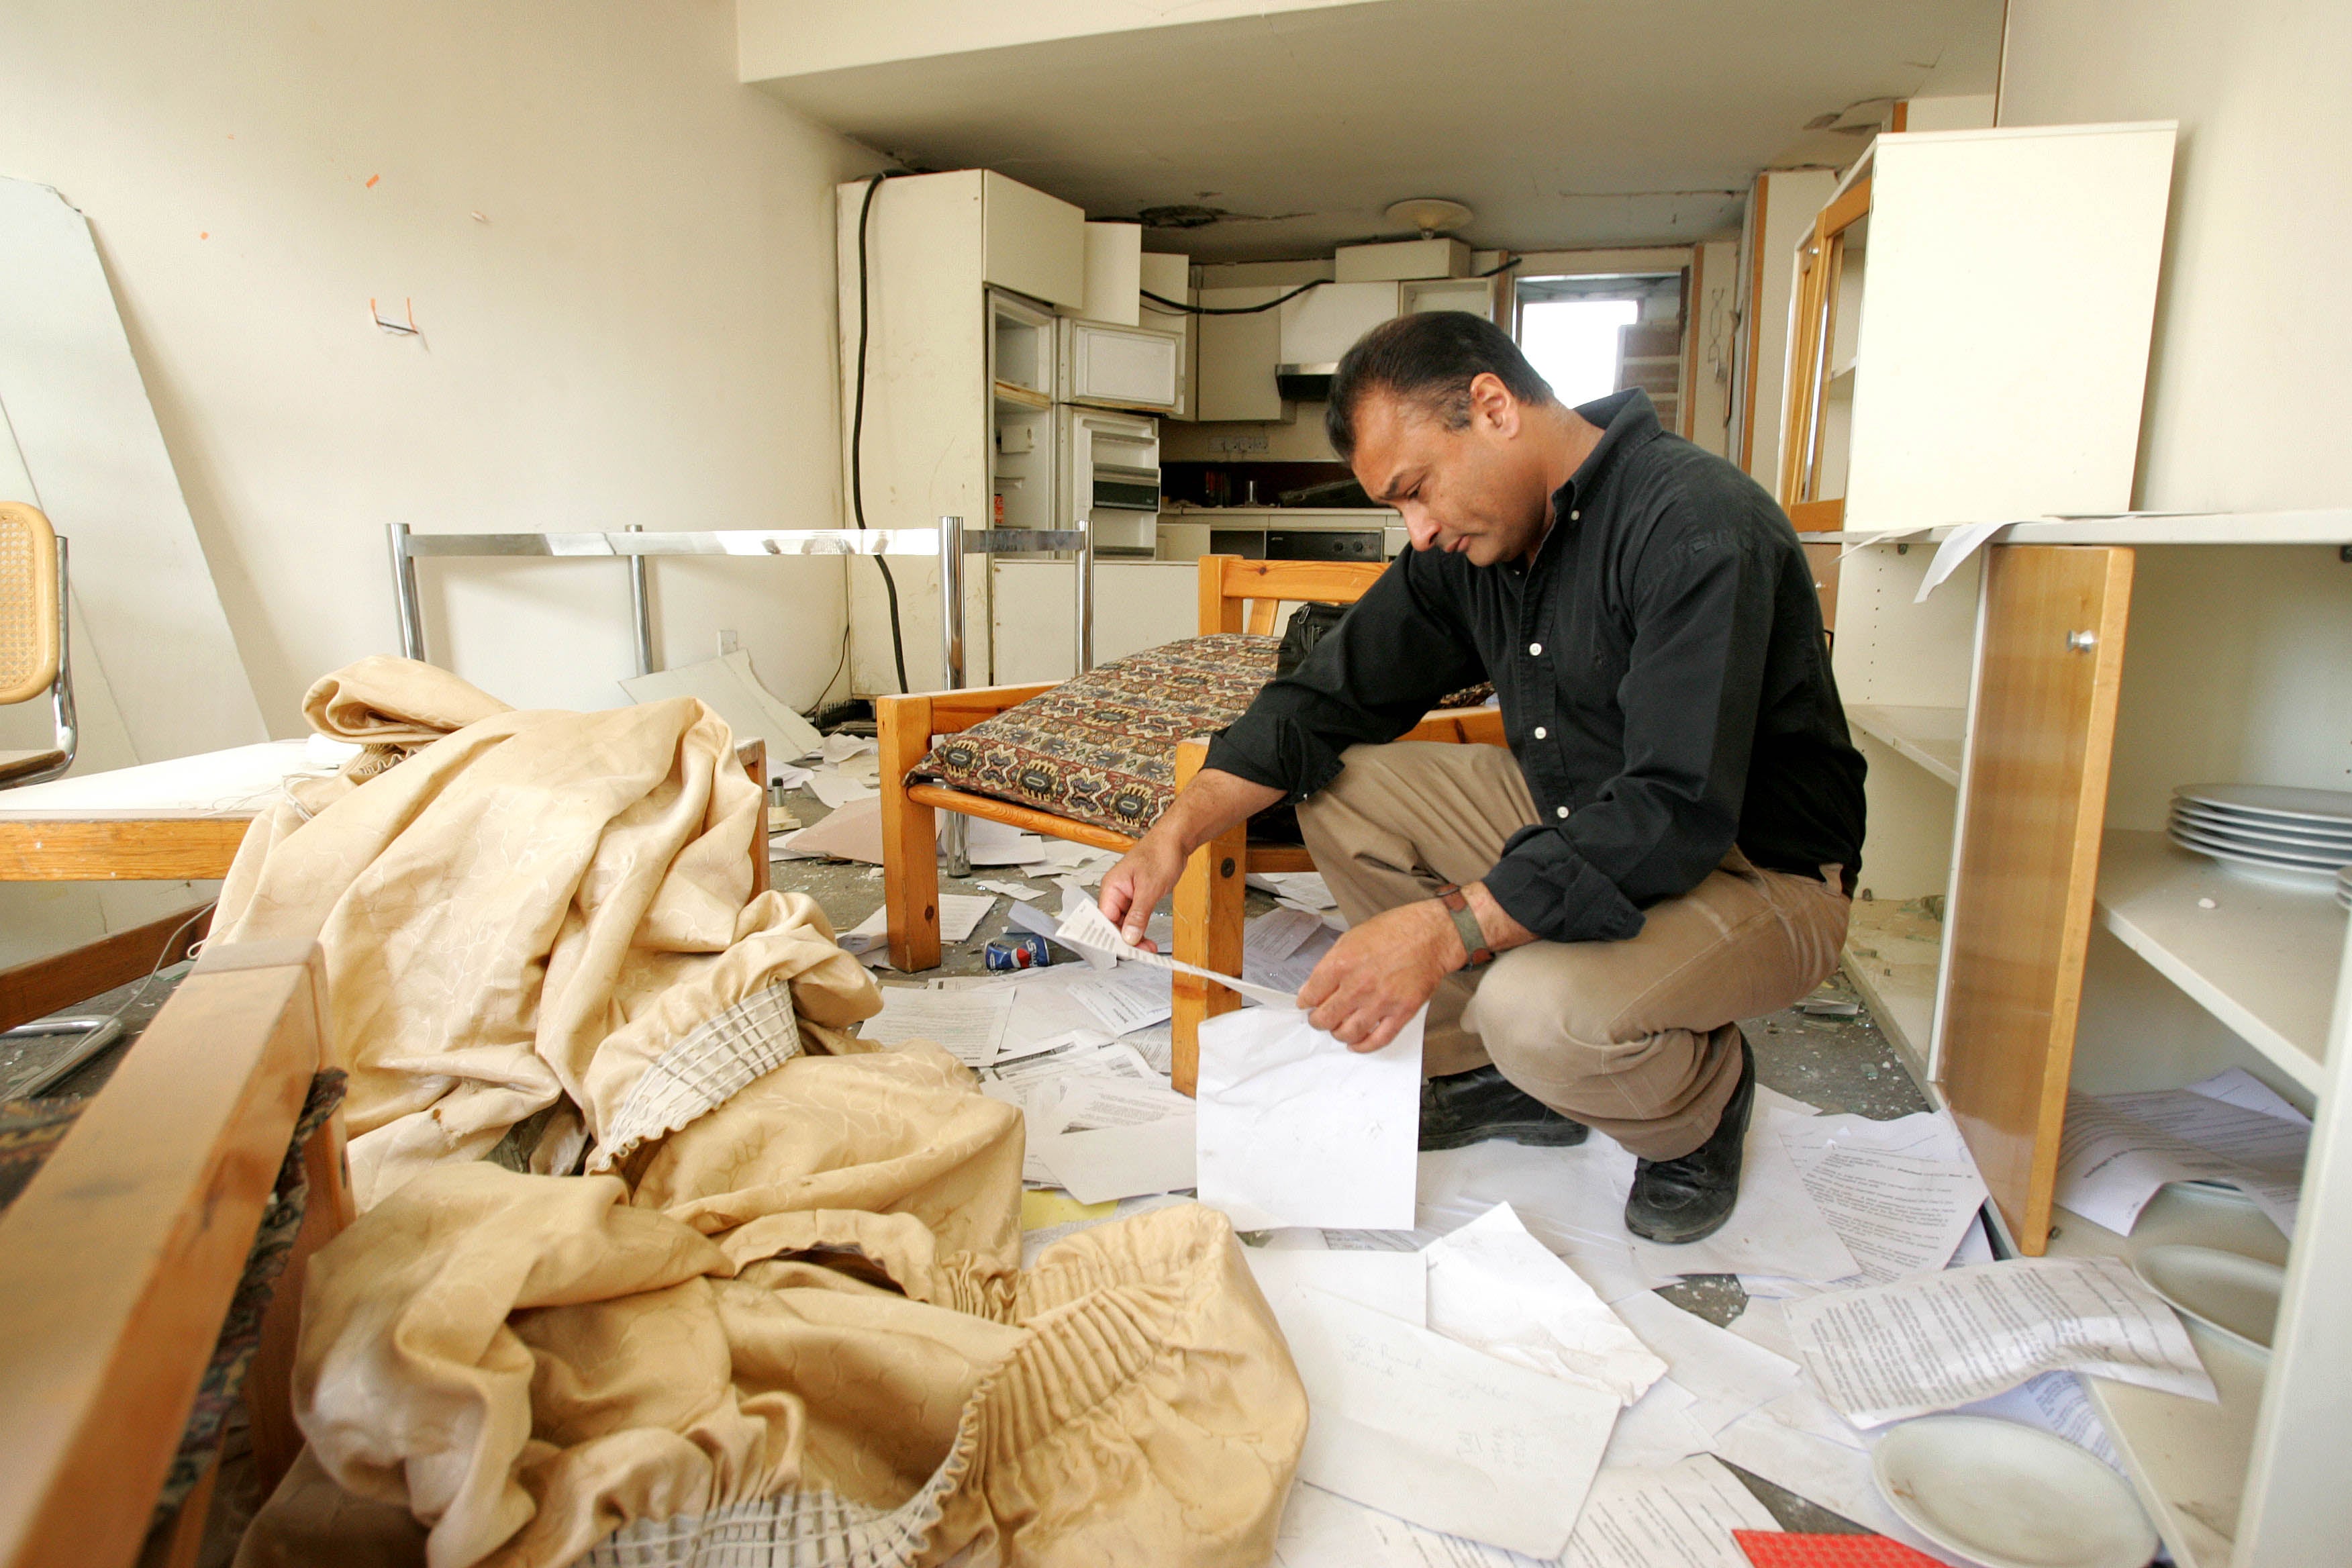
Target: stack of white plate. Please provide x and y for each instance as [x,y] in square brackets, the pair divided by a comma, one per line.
[2268,828]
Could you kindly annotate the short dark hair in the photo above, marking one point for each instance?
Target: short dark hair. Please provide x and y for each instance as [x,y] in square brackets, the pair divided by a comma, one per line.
[1431,357]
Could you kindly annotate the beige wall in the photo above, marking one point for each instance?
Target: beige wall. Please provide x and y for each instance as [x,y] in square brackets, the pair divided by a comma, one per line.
[2247,404]
[622,261]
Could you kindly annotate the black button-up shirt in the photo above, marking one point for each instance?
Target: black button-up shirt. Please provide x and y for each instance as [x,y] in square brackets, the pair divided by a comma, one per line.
[1663,681]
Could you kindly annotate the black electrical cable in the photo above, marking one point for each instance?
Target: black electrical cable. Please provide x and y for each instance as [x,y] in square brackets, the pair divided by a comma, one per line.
[1180,308]
[857,435]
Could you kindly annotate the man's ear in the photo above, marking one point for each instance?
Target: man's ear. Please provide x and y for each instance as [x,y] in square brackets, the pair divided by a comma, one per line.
[1492,406]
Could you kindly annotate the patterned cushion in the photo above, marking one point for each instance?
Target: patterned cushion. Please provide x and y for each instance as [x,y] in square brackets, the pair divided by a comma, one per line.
[1101,749]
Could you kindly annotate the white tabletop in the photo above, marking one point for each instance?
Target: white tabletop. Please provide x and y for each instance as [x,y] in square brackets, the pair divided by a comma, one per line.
[237,783]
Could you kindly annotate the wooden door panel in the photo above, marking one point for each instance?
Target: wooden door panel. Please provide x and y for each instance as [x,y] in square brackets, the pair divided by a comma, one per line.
[2034,806]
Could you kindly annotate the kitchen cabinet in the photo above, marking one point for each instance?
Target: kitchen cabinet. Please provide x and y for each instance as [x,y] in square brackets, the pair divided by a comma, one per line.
[963,275]
[1323,323]
[1171,277]
[1137,604]
[1237,355]
[1969,335]
[2106,661]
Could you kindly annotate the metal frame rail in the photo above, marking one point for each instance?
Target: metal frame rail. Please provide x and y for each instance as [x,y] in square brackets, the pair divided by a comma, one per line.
[950,541]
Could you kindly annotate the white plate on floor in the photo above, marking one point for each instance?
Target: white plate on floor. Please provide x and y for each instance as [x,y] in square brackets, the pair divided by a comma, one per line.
[2332,805]
[2226,1291]
[2008,1496]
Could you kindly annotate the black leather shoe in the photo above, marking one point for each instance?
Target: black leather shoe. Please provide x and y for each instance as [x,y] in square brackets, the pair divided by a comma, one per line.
[1467,1108]
[1676,1201]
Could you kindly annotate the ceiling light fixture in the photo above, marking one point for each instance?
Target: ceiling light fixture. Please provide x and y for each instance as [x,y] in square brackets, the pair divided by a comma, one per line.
[1432,215]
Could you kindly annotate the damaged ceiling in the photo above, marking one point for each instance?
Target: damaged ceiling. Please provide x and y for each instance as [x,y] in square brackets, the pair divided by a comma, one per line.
[1563,123]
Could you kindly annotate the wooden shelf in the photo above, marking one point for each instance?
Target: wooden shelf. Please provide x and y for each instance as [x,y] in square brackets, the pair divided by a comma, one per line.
[2263,960]
[2188,1459]
[1013,396]
[1930,737]
[1893,954]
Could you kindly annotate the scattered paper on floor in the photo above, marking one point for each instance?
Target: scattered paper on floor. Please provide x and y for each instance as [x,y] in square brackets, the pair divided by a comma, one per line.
[1679,1516]
[1123,1162]
[1392,1282]
[1297,1129]
[968,1024]
[1900,1195]
[2118,1150]
[1496,1289]
[1452,1439]
[1944,1340]
[1727,1376]
[1084,926]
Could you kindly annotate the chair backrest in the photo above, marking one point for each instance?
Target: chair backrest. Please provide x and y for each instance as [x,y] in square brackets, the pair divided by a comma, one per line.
[32,621]
[1228,581]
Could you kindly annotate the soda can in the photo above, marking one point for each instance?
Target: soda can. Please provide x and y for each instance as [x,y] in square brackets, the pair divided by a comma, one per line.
[1025,950]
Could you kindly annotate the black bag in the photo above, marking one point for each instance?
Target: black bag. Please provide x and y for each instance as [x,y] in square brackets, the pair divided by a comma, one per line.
[1308,625]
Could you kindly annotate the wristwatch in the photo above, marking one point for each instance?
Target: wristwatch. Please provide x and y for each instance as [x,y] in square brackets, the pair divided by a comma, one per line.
[1465,924]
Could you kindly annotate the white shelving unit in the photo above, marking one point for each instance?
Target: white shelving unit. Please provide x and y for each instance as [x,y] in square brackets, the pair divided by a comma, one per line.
[2260,955]
[1931,737]
[2236,664]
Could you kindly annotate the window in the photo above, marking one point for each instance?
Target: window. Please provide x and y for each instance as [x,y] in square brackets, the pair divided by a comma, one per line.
[1572,344]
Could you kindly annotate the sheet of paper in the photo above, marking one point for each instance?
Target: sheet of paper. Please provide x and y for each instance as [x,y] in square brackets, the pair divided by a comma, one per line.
[960,914]
[1289,974]
[1890,1190]
[851,832]
[1123,1162]
[1077,1055]
[970,1023]
[1727,1376]
[1680,1516]
[2236,1086]
[1012,889]
[1657,1429]
[1571,1200]
[729,687]
[991,843]
[1297,1129]
[1305,889]
[1498,1289]
[1943,1340]
[1390,1282]
[1410,1422]
[2057,1402]
[1273,936]
[840,786]
[1958,546]
[1014,1051]
[1323,1530]
[1084,926]
[2118,1150]
[839,747]
[1088,1103]
[1123,1001]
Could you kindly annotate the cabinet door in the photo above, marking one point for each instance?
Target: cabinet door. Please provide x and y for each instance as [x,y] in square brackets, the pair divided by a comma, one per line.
[1238,354]
[2031,810]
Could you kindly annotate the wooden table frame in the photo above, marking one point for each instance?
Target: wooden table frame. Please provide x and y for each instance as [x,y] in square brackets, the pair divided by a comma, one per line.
[1210,895]
[119,1259]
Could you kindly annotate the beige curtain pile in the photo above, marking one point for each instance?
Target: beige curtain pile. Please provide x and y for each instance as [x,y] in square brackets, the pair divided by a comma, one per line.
[787,1325]
[536,917]
[804,1340]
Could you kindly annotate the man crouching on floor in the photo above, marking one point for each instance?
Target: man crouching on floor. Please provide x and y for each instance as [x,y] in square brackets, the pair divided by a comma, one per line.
[1668,845]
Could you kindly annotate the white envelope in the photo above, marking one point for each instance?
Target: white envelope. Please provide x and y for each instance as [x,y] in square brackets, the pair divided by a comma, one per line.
[1297,1129]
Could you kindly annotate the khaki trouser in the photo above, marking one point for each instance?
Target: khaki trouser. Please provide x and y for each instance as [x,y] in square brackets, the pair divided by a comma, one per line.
[1638,1038]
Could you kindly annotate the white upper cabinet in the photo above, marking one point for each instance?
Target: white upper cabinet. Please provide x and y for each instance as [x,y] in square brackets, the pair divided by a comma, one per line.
[1323,323]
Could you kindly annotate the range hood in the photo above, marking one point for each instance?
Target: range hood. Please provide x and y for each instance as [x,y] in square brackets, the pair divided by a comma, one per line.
[1305,383]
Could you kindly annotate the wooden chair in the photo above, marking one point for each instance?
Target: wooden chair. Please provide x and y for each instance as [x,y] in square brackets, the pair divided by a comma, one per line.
[35,655]
[1209,897]
[119,1259]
